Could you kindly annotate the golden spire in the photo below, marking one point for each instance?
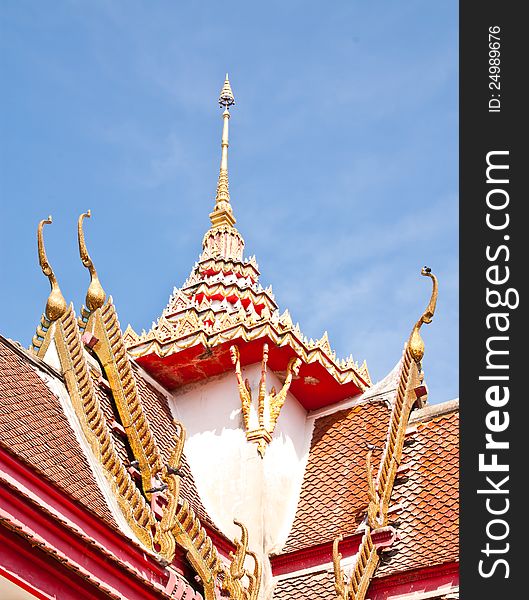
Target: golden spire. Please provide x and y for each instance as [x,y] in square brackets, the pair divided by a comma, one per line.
[95,296]
[56,304]
[416,343]
[222,213]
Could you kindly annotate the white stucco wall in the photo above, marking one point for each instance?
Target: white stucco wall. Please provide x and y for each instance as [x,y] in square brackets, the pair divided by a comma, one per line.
[232,479]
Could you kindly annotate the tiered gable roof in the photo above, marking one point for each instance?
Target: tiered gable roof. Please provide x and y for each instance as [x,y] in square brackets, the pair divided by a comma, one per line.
[133,443]
[222,303]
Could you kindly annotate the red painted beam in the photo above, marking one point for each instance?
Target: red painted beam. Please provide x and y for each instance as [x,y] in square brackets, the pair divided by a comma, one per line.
[75,540]
[33,570]
[427,579]
[322,553]
[36,486]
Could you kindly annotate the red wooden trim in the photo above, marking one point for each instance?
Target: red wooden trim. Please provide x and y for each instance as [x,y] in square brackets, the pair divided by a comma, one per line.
[322,553]
[64,504]
[32,569]
[73,551]
[125,549]
[426,579]
[22,584]
[78,537]
[313,556]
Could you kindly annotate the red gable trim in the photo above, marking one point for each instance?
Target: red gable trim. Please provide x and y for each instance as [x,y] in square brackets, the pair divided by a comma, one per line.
[427,579]
[74,539]
[34,571]
[322,554]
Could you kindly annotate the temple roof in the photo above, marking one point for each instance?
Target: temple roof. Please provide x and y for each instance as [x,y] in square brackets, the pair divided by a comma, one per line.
[34,427]
[115,423]
[222,303]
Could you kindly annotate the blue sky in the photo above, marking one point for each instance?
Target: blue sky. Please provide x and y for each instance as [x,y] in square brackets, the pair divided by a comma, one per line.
[343,159]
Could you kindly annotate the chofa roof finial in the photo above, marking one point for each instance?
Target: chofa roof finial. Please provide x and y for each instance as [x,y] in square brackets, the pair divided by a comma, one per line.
[416,343]
[56,304]
[95,295]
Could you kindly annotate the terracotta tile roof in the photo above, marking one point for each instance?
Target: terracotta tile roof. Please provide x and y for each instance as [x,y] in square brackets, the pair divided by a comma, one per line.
[428,530]
[311,586]
[334,496]
[34,428]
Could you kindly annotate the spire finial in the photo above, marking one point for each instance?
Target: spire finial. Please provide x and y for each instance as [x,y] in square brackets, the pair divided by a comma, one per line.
[222,213]
[226,98]
[56,304]
[95,295]
[223,239]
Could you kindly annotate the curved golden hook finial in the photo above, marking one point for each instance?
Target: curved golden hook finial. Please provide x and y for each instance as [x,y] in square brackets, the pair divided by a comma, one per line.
[416,344]
[95,296]
[56,304]
[238,582]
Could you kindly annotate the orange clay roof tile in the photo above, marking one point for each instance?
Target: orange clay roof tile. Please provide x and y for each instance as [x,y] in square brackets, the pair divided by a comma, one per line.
[429,525]
[34,428]
[310,586]
[334,496]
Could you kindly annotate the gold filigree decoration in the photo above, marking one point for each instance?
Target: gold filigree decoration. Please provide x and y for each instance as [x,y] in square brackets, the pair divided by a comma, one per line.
[416,343]
[95,295]
[380,492]
[262,435]
[245,392]
[373,507]
[171,477]
[88,410]
[55,305]
[200,551]
[340,581]
[238,582]
[179,526]
[41,339]
[111,352]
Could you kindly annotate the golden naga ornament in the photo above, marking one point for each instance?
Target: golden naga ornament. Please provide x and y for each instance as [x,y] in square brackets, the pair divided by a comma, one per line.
[416,343]
[262,435]
[355,586]
[238,582]
[56,304]
[95,295]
